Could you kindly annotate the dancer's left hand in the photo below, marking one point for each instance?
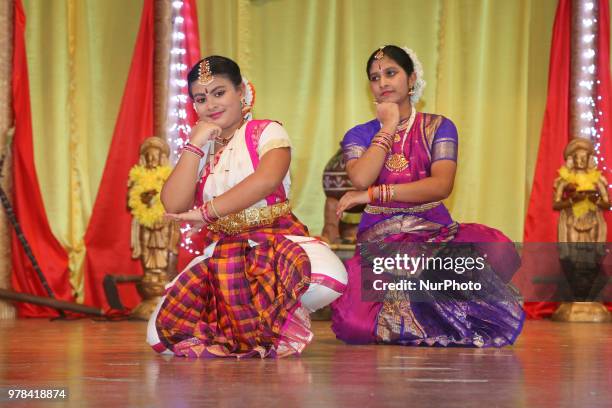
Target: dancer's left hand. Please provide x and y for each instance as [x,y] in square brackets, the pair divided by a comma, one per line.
[350,200]
[191,216]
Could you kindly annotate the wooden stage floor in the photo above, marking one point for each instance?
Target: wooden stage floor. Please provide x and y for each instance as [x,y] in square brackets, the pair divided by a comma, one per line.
[107,364]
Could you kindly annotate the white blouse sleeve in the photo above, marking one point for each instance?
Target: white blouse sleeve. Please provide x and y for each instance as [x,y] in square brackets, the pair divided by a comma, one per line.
[274,136]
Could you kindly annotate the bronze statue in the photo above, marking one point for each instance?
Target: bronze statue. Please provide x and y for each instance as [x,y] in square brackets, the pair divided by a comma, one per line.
[154,240]
[581,196]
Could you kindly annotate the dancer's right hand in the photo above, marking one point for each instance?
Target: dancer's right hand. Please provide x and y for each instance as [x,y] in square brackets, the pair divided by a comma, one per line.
[388,114]
[351,199]
[202,132]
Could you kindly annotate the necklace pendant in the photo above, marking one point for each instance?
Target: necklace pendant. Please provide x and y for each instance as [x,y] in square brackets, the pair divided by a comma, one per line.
[397,138]
[396,163]
[223,142]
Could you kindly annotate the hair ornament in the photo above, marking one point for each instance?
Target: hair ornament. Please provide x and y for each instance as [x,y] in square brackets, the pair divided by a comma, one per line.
[205,75]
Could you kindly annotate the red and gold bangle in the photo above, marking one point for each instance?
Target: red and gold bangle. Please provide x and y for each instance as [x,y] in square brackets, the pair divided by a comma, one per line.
[386,193]
[382,146]
[204,214]
[189,147]
[384,135]
[382,142]
[206,217]
[387,142]
[387,137]
[371,193]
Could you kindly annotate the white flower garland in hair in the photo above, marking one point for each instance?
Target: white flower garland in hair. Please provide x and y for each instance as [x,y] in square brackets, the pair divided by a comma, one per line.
[249,97]
[420,83]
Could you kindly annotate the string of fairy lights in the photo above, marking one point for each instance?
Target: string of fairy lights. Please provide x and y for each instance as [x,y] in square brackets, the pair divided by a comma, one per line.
[588,98]
[178,100]
[178,97]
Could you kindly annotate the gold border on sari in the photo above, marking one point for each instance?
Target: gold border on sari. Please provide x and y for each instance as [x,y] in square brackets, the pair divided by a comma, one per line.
[429,126]
[374,209]
[353,151]
[397,314]
[405,223]
[398,224]
[273,144]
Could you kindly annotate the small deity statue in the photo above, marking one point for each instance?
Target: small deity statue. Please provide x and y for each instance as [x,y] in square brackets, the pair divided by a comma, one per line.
[154,240]
[581,196]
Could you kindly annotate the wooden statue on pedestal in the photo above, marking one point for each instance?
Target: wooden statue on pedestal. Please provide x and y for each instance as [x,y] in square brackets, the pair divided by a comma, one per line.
[581,196]
[154,240]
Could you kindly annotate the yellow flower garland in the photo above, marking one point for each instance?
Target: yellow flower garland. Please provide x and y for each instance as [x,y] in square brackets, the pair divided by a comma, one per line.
[142,180]
[584,182]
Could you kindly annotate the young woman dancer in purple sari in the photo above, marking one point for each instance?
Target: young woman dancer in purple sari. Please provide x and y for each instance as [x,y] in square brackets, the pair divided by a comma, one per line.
[403,164]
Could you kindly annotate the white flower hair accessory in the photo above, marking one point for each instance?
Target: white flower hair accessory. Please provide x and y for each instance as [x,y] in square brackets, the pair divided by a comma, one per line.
[420,83]
[249,99]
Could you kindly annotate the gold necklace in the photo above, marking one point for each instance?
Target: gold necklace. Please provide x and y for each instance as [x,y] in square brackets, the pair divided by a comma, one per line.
[224,142]
[397,162]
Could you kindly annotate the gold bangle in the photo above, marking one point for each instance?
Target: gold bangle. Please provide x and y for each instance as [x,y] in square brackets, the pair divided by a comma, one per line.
[381,147]
[212,206]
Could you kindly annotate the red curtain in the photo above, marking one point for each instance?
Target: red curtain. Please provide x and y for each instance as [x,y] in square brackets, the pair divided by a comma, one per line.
[192,45]
[108,238]
[541,222]
[27,199]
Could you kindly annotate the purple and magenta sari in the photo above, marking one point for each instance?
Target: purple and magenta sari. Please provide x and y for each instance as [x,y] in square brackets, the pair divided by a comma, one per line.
[493,319]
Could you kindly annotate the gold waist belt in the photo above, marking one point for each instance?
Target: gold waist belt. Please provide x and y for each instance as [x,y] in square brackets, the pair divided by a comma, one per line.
[251,217]
[374,209]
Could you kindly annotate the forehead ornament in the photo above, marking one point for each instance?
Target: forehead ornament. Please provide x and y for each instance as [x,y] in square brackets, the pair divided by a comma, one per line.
[205,76]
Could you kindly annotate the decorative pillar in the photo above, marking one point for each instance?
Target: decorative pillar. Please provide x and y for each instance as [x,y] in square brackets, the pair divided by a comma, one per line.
[7,311]
[163,39]
[584,115]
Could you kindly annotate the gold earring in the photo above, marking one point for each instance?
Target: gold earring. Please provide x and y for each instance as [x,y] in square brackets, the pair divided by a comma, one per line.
[244,107]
